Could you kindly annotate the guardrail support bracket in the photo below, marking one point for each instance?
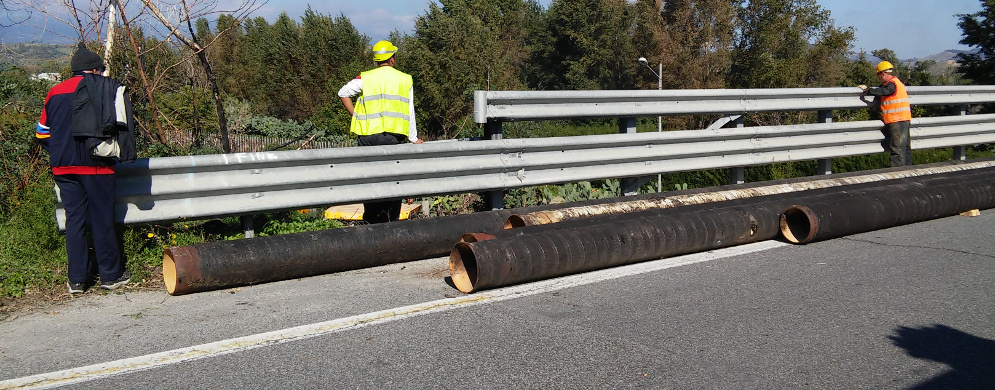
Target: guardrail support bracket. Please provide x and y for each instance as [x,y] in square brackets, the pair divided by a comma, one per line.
[630,185]
[737,175]
[248,226]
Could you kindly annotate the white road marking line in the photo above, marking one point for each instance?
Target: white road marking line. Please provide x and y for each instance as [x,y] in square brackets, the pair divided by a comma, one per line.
[123,366]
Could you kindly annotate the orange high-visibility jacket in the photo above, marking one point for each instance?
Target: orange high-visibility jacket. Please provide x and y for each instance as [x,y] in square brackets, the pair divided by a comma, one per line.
[896,107]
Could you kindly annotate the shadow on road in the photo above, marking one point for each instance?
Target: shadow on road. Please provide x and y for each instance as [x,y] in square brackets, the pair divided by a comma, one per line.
[971,358]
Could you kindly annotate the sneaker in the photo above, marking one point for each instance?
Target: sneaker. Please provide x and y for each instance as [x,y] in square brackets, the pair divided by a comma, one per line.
[76,288]
[115,284]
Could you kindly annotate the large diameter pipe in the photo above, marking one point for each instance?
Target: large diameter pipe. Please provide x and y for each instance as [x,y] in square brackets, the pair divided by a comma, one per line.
[216,265]
[486,261]
[223,264]
[769,206]
[506,258]
[660,201]
[868,210]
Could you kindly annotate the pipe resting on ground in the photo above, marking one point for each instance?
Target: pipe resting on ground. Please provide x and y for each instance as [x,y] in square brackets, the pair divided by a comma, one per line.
[507,258]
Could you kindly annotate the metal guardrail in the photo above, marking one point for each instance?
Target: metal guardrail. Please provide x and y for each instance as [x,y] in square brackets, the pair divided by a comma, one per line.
[491,106]
[198,187]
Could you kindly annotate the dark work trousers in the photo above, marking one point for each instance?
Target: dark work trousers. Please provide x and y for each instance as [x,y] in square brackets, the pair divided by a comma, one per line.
[89,200]
[388,210]
[898,143]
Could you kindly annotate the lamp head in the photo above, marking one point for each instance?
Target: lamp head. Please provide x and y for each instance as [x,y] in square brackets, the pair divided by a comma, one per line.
[642,60]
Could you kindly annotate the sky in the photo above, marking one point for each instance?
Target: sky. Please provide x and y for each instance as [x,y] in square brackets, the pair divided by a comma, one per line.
[909,28]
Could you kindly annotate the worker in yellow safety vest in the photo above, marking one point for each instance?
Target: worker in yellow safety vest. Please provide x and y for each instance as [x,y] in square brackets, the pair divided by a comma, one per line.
[896,112]
[384,114]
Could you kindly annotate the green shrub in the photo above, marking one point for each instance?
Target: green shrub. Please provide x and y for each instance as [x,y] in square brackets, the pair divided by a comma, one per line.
[456,204]
[32,253]
[294,222]
[564,193]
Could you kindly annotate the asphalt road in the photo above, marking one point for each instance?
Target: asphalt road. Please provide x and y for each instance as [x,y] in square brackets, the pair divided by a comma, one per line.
[907,307]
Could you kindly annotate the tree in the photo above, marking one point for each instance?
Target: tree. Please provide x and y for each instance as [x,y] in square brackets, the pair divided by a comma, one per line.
[978,31]
[334,55]
[692,38]
[92,19]
[902,69]
[463,46]
[788,43]
[861,71]
[198,48]
[920,73]
[589,46]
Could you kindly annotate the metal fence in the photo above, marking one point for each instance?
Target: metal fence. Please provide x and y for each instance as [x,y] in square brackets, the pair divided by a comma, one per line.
[198,187]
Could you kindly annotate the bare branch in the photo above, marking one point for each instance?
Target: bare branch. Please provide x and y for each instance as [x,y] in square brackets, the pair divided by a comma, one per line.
[173,30]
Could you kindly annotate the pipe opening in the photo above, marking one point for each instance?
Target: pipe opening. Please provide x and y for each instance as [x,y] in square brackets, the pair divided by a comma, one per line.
[463,267]
[475,237]
[169,271]
[798,224]
[514,221]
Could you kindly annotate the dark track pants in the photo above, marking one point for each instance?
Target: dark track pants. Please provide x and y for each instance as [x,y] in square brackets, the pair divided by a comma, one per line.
[89,200]
[384,211]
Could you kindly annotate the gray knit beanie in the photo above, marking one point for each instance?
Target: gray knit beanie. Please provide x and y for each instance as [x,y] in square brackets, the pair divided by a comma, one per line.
[84,59]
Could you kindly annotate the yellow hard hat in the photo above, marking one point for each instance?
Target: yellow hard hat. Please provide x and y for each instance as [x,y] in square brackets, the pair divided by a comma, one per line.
[884,66]
[383,50]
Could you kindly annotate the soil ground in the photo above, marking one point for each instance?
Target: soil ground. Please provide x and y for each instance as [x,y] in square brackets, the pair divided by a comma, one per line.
[34,301]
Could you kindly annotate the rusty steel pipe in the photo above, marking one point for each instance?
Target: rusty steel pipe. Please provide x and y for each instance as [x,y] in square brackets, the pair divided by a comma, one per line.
[726,193]
[510,258]
[218,265]
[899,204]
[222,264]
[494,261]
[771,205]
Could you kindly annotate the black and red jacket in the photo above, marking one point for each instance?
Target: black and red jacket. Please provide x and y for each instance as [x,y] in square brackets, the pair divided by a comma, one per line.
[70,155]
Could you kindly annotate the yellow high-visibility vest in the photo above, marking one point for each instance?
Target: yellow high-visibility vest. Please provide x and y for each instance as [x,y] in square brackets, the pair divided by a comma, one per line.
[385,105]
[896,107]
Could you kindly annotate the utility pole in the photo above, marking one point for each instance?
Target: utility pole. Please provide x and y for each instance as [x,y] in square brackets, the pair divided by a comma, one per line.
[109,45]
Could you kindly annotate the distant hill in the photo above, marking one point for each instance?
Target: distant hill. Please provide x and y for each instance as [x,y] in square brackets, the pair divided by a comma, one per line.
[36,55]
[946,61]
[944,56]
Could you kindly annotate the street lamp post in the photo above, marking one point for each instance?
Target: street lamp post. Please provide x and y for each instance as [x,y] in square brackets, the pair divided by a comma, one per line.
[659,86]
[659,119]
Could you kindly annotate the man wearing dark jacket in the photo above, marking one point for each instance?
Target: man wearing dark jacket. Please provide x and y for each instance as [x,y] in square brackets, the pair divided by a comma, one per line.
[87,126]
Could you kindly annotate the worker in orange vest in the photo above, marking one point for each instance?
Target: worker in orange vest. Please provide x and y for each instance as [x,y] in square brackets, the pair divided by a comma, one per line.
[896,112]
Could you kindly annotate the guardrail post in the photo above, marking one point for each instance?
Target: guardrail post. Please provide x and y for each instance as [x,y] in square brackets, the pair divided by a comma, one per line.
[737,175]
[960,152]
[493,130]
[494,200]
[825,164]
[248,226]
[630,185]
